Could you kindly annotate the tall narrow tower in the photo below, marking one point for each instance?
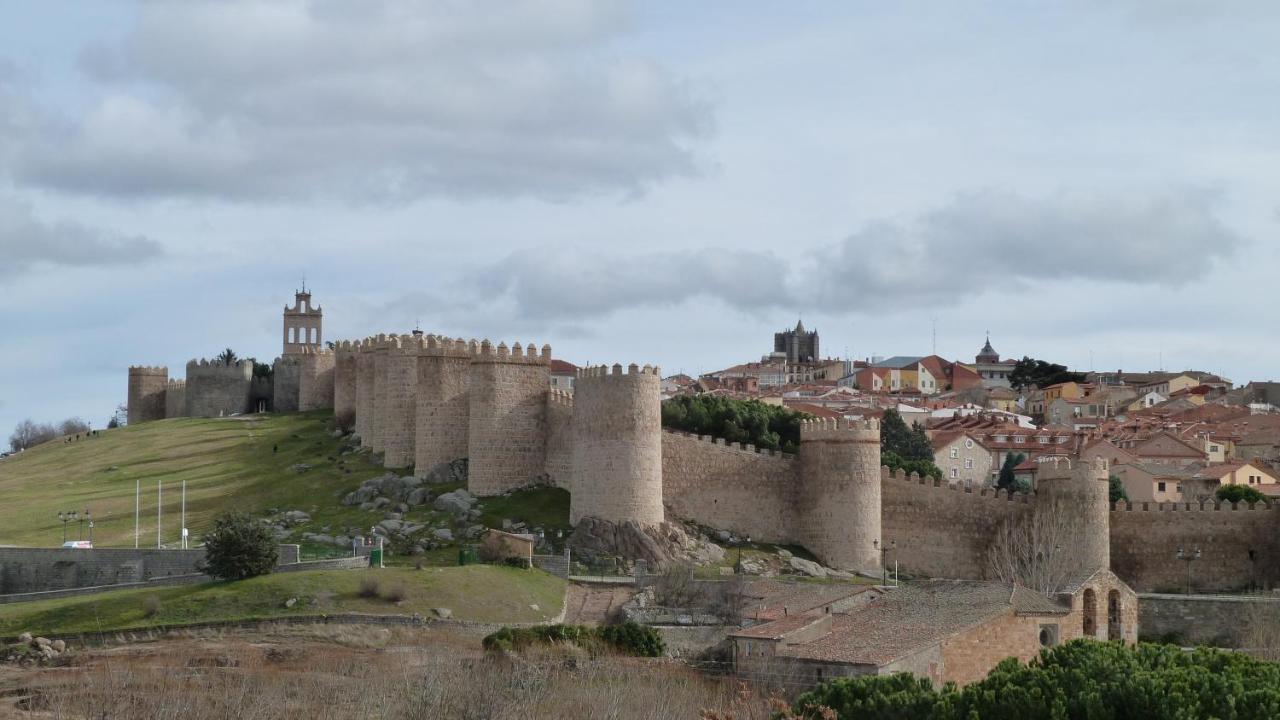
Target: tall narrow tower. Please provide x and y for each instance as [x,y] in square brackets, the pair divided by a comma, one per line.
[302,324]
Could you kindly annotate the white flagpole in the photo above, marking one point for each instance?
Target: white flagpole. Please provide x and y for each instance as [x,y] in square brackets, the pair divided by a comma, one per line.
[184,514]
[137,506]
[159,506]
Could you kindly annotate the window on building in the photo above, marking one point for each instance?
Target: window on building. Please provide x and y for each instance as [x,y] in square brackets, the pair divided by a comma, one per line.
[1017,438]
[1179,487]
[955,453]
[1048,635]
[1160,486]
[968,463]
[968,444]
[955,472]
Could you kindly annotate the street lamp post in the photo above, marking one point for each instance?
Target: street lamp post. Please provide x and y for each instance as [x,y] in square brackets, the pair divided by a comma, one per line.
[737,566]
[66,516]
[89,517]
[884,558]
[1188,557]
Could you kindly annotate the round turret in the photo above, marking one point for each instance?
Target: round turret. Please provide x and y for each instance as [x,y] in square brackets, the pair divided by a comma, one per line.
[147,391]
[507,417]
[617,445]
[443,412]
[1077,494]
[399,373]
[838,504]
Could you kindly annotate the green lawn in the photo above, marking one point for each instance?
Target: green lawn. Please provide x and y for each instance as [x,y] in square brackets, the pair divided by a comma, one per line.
[481,593]
[227,463]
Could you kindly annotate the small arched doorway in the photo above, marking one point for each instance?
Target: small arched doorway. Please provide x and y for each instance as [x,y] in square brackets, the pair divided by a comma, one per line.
[1090,611]
[1114,629]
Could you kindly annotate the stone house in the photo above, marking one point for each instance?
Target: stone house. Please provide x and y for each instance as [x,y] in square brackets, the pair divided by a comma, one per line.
[942,630]
[1155,482]
[963,458]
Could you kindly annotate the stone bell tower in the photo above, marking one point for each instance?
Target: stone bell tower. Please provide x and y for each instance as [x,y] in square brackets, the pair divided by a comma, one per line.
[302,324]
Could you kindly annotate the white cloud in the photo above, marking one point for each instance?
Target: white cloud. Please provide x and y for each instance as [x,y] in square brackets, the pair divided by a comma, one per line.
[393,101]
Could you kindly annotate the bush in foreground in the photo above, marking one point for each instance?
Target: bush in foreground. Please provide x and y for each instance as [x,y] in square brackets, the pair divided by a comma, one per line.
[238,547]
[628,638]
[1083,679]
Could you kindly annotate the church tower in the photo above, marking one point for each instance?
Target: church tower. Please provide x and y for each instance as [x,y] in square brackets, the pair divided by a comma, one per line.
[302,324]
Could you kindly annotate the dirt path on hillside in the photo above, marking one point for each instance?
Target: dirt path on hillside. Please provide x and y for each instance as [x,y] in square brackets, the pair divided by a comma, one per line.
[591,604]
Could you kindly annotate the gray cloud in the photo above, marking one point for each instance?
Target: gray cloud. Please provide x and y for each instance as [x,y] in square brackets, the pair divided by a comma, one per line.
[982,242]
[26,241]
[992,240]
[386,101]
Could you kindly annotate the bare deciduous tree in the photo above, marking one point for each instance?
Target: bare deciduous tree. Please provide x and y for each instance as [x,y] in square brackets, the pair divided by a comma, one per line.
[73,426]
[28,434]
[1033,551]
[1260,630]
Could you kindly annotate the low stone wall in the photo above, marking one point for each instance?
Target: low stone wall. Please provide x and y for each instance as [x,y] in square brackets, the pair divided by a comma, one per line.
[41,570]
[1222,620]
[25,570]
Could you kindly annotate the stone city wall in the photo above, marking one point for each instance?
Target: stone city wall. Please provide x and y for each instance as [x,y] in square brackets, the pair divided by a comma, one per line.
[364,390]
[316,379]
[344,379]
[935,529]
[559,463]
[215,389]
[175,399]
[285,380]
[1221,620]
[729,486]
[1238,545]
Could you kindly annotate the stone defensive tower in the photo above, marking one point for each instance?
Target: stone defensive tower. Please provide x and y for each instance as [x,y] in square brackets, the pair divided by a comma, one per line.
[175,399]
[344,379]
[302,324]
[364,368]
[316,382]
[838,498]
[397,390]
[147,393]
[507,417]
[443,412]
[617,445]
[1078,495]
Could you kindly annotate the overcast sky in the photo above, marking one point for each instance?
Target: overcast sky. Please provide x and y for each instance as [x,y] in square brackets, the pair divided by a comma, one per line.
[1093,182]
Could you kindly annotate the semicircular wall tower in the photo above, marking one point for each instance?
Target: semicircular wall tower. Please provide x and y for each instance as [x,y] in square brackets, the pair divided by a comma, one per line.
[838,504]
[617,445]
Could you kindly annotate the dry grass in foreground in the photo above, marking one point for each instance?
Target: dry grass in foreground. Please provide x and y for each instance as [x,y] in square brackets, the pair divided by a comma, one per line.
[367,672]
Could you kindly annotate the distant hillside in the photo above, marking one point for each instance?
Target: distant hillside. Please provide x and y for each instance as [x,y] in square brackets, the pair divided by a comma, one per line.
[227,463]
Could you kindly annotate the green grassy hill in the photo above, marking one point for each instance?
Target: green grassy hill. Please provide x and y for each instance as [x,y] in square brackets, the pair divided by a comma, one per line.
[226,462]
[480,593]
[244,463]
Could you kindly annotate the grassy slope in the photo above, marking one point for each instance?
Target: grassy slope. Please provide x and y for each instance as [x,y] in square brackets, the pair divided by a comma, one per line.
[227,463]
[475,592]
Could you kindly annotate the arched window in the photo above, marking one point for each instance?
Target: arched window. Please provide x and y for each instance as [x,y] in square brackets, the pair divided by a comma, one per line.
[1090,612]
[292,334]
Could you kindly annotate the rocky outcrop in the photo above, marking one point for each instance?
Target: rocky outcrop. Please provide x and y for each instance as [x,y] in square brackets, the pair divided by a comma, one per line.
[658,545]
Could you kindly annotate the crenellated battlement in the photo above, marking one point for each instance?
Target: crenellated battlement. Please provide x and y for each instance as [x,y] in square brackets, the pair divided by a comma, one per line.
[840,430]
[516,354]
[900,475]
[148,370]
[1193,507]
[560,397]
[616,370]
[210,368]
[721,443]
[177,384]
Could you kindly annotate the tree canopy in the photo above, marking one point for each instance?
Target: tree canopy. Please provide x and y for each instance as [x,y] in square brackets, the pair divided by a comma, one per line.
[771,427]
[1239,493]
[239,547]
[904,448]
[1079,680]
[1040,373]
[1006,479]
[1117,491]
